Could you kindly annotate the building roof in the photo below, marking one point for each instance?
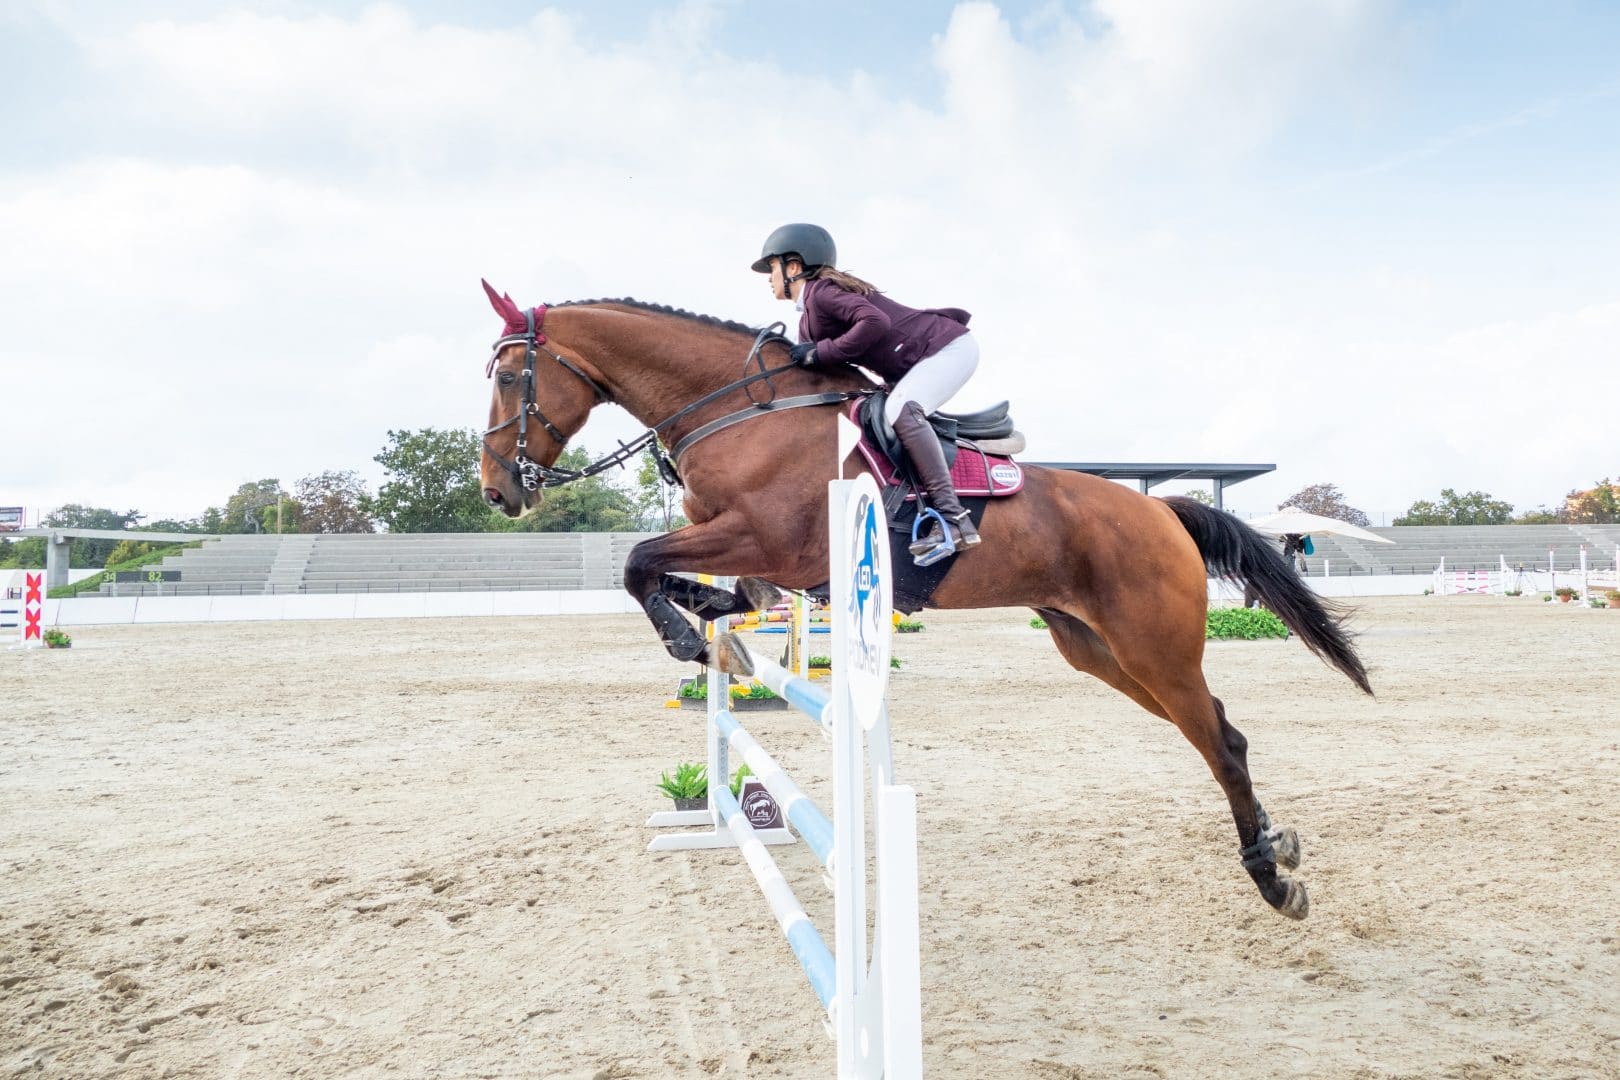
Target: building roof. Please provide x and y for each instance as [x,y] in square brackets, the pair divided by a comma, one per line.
[1158,473]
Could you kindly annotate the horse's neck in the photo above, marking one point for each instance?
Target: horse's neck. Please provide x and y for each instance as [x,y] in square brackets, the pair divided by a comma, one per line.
[658,366]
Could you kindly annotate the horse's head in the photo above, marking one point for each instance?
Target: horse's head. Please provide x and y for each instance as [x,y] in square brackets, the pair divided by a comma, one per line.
[539,399]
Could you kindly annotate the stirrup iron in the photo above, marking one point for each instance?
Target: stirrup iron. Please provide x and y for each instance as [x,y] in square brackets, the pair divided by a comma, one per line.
[942,550]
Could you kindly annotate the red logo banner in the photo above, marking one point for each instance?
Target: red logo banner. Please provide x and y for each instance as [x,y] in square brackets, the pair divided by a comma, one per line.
[33,598]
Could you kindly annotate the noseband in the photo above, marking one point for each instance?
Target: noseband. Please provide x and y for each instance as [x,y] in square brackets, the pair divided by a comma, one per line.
[526,471]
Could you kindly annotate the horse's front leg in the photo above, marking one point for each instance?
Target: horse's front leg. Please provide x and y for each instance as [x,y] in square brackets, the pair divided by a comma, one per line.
[708,602]
[714,547]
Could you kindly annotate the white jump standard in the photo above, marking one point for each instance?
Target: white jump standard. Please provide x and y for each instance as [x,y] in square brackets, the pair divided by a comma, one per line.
[872,997]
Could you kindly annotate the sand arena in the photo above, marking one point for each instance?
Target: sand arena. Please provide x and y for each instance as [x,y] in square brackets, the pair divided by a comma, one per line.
[414,849]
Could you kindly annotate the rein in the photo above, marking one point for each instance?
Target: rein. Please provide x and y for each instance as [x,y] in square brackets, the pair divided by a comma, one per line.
[532,475]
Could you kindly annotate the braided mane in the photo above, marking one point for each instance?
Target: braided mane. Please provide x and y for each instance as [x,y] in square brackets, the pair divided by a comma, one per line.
[665,309]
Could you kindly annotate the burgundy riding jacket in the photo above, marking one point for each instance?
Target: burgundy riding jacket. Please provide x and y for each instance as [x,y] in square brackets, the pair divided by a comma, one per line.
[873,331]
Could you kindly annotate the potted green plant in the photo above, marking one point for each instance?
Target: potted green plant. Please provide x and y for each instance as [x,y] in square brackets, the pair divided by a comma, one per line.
[56,638]
[694,694]
[1564,593]
[1613,597]
[689,787]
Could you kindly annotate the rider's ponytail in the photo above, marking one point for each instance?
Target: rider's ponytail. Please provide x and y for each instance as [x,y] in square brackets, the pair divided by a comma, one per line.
[847,282]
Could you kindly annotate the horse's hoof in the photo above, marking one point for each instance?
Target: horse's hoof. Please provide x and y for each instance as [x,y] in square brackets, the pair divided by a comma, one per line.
[1285,847]
[728,653]
[1297,904]
[760,594]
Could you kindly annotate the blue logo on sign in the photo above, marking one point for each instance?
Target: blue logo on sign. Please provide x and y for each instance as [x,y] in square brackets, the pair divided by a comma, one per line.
[866,574]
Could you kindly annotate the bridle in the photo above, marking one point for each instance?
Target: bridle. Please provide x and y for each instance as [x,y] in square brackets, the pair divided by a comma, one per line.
[526,471]
[532,475]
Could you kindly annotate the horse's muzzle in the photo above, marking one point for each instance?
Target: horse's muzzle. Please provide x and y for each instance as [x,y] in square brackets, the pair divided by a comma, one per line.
[497,501]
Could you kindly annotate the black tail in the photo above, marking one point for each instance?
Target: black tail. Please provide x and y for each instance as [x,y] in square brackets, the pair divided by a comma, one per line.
[1237,553]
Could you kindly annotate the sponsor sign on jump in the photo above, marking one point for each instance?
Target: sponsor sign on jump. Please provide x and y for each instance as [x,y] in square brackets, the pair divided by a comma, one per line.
[869,596]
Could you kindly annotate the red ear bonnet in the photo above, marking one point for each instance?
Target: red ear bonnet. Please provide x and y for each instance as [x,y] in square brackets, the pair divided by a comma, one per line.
[506,309]
[515,318]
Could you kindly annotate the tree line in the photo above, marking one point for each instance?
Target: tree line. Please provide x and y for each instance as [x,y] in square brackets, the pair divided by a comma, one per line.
[430,485]
[1597,505]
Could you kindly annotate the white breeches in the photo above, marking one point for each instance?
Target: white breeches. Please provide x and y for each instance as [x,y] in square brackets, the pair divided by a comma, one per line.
[934,379]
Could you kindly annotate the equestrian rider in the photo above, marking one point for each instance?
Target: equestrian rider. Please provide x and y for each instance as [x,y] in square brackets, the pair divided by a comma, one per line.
[926,355]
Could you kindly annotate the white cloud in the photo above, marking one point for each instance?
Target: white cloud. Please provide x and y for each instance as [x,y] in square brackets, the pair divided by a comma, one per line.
[281,261]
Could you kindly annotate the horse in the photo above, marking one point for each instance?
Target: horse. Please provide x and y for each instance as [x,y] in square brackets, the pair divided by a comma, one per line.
[1119,577]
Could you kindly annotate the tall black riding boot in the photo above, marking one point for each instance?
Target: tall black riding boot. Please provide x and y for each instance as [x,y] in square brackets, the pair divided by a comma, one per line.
[928,459]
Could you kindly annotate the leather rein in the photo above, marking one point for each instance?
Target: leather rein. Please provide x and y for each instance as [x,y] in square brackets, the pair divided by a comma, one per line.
[532,475]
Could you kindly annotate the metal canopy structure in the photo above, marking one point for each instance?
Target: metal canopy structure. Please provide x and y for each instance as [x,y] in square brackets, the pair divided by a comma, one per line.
[1151,473]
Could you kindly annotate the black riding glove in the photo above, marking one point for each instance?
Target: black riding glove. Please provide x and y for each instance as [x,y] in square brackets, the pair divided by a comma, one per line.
[803,354]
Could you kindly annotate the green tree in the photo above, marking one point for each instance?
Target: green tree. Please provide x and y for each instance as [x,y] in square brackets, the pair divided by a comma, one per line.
[1540,516]
[657,504]
[1326,500]
[1598,506]
[27,553]
[330,502]
[175,525]
[85,551]
[591,505]
[212,520]
[245,511]
[1472,508]
[432,483]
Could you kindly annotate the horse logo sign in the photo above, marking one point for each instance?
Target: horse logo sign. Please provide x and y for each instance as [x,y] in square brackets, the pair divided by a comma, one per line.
[869,589]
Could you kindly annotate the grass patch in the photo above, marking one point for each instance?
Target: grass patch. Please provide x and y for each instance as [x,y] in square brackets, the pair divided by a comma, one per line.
[1247,624]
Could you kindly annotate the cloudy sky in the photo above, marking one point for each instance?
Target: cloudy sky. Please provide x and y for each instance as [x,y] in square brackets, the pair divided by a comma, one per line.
[1374,243]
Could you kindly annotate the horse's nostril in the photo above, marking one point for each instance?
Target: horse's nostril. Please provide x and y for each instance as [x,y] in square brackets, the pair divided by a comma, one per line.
[492,496]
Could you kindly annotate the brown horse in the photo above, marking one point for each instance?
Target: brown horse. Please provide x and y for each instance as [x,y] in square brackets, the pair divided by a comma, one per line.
[1119,577]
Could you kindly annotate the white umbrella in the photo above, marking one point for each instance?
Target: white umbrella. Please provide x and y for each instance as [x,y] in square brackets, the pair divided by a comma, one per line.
[1291,519]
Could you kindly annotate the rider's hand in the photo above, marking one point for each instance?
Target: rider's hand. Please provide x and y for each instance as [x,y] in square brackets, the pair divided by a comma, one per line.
[803,354]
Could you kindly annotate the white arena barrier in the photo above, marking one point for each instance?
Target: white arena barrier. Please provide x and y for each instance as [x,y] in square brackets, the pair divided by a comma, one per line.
[872,997]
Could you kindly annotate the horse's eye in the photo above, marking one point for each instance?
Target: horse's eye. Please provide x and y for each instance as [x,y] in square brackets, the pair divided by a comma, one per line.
[507,378]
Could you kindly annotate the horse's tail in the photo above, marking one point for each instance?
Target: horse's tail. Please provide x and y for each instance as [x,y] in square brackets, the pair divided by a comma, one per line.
[1237,553]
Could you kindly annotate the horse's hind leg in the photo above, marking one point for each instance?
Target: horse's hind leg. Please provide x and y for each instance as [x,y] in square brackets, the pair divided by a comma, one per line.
[1201,717]
[709,602]
[1284,839]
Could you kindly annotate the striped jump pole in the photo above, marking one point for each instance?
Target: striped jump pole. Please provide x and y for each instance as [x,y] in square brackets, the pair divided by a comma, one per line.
[870,990]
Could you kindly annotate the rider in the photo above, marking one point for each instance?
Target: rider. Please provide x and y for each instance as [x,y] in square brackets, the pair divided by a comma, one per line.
[926,355]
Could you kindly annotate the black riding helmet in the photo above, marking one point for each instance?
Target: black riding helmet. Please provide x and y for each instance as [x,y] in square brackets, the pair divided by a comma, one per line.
[811,243]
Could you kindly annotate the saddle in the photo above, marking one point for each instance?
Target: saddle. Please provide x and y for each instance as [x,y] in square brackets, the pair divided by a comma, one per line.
[977,446]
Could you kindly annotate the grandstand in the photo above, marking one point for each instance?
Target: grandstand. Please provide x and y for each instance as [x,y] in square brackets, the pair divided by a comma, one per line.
[1418,548]
[499,562]
[393,562]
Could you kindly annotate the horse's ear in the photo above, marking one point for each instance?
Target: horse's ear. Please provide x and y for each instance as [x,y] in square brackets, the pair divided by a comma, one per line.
[503,305]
